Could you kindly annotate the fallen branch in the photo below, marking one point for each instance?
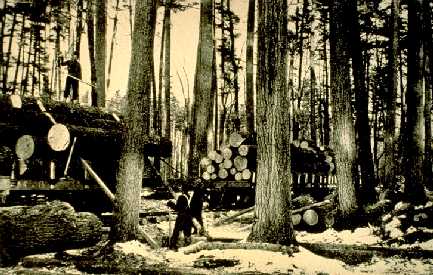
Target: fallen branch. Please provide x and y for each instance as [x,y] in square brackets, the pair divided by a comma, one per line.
[202,245]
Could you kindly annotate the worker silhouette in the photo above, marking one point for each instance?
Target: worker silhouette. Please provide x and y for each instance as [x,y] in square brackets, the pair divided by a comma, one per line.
[74,75]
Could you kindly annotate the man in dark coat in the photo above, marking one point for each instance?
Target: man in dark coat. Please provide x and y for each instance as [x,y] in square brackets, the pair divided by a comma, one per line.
[196,206]
[183,221]
[74,74]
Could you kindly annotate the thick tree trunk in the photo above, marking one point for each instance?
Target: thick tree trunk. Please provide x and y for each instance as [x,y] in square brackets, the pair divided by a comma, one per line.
[343,134]
[365,157]
[234,65]
[8,53]
[113,39]
[389,167]
[79,28]
[249,98]
[273,198]
[132,163]
[202,88]
[167,86]
[415,128]
[100,53]
[91,46]
[52,227]
[428,42]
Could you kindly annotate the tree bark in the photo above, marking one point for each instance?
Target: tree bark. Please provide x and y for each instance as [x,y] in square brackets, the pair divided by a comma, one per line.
[100,53]
[167,86]
[365,157]
[428,67]
[273,187]
[343,134]
[91,46]
[389,167]
[79,28]
[202,88]
[249,90]
[132,163]
[52,227]
[415,128]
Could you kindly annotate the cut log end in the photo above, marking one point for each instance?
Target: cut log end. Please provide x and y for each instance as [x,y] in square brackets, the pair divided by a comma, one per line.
[58,137]
[25,147]
[310,217]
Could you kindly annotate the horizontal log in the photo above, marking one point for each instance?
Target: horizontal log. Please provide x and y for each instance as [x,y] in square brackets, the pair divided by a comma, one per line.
[50,227]
[223,245]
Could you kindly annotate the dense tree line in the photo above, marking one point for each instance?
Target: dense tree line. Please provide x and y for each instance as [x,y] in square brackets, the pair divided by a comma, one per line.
[351,75]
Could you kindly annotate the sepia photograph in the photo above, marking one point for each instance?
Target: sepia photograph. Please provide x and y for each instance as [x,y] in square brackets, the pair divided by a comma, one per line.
[216,137]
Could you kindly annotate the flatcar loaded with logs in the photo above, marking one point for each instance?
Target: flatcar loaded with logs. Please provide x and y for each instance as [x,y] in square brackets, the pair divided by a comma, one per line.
[53,150]
[230,171]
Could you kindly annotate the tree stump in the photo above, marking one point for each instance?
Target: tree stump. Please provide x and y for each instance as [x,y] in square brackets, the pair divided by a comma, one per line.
[50,227]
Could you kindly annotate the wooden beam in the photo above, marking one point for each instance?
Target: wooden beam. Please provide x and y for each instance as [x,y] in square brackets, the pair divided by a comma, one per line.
[98,180]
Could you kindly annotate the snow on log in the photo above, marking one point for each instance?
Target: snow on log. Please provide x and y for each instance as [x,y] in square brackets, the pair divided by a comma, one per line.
[50,227]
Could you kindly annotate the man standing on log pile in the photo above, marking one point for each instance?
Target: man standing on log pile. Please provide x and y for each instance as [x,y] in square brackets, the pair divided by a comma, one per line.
[74,75]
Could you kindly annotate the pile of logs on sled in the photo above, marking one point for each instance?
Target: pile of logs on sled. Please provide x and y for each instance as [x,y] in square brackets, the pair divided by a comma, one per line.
[235,161]
[310,215]
[41,129]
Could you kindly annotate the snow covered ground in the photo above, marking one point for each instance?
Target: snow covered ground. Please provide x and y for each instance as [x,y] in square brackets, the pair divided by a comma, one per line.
[259,261]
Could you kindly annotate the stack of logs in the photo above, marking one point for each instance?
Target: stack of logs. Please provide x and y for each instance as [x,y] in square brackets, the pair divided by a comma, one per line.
[41,131]
[235,161]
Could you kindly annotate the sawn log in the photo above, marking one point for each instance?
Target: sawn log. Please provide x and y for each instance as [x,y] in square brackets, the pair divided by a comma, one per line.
[50,227]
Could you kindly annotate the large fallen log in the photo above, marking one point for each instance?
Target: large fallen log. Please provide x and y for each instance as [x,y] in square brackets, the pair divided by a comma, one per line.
[50,227]
[95,128]
[202,245]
